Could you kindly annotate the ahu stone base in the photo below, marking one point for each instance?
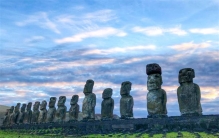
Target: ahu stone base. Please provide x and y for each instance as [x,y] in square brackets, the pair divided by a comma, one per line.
[204,123]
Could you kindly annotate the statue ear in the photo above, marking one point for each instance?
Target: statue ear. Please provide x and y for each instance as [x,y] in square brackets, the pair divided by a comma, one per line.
[193,73]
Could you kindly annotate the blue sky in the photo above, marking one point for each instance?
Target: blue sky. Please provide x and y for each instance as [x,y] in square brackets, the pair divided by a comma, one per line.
[50,48]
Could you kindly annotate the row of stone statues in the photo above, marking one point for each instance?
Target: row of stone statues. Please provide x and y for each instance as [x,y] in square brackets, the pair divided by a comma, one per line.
[188,94]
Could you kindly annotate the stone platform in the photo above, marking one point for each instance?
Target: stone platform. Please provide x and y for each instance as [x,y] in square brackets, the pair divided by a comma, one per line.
[205,123]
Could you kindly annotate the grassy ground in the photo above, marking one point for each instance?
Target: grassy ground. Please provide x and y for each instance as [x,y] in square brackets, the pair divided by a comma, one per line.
[10,134]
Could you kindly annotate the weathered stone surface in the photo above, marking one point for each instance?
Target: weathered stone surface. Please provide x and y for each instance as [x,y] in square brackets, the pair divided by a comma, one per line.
[16,114]
[107,104]
[126,101]
[43,112]
[188,93]
[74,109]
[89,102]
[61,111]
[52,110]
[156,97]
[11,115]
[36,112]
[22,114]
[28,113]
[6,118]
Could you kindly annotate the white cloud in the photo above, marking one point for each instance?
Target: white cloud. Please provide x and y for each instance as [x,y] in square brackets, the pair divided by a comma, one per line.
[155,31]
[204,31]
[150,31]
[41,19]
[119,50]
[176,30]
[189,46]
[103,32]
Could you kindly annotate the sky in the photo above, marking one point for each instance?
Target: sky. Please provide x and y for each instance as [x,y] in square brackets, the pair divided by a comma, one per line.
[50,48]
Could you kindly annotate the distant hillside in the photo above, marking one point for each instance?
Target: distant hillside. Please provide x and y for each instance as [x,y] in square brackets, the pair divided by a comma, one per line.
[3,108]
[2,112]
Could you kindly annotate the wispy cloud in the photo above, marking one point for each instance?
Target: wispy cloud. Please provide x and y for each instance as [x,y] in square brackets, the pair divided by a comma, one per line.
[150,31]
[34,39]
[40,19]
[103,32]
[204,31]
[155,31]
[189,46]
[91,17]
[119,50]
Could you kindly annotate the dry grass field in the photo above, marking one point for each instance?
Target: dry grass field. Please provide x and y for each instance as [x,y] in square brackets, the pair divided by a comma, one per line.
[2,112]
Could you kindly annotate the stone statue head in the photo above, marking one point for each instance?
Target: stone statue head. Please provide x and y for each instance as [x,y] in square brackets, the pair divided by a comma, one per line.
[107,93]
[88,88]
[17,107]
[29,105]
[7,112]
[154,80]
[125,88]
[43,105]
[74,99]
[23,107]
[62,100]
[12,109]
[36,106]
[52,102]
[186,75]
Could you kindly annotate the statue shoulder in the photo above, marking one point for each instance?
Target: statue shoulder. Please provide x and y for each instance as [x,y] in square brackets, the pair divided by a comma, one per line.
[92,95]
[178,89]
[196,85]
[163,91]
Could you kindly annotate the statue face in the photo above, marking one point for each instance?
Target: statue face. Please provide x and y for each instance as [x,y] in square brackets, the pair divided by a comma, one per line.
[154,82]
[43,105]
[17,107]
[88,88]
[23,107]
[52,102]
[74,99]
[125,88]
[186,75]
[7,112]
[36,106]
[61,101]
[29,106]
[11,109]
[107,93]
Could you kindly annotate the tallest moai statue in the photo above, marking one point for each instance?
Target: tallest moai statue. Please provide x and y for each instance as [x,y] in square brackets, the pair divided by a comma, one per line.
[156,97]
[188,93]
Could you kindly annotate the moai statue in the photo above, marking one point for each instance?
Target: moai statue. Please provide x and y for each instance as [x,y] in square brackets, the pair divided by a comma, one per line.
[107,104]
[43,112]
[74,109]
[11,115]
[52,110]
[16,114]
[61,111]
[6,118]
[28,113]
[188,93]
[156,97]
[126,101]
[89,102]
[22,114]
[36,112]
